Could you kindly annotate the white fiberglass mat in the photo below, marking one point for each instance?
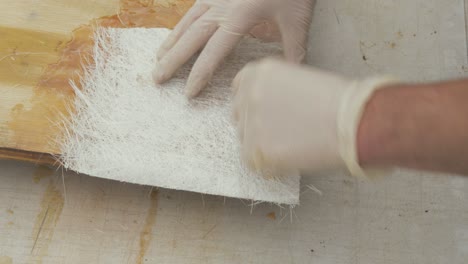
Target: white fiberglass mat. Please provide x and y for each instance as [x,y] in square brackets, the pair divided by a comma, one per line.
[125,128]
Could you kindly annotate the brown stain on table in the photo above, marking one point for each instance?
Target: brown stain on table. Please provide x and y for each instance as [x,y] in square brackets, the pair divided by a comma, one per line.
[9,211]
[50,61]
[50,210]
[272,215]
[42,172]
[146,233]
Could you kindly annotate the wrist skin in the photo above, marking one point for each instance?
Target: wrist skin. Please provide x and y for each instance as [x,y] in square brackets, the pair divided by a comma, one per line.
[420,126]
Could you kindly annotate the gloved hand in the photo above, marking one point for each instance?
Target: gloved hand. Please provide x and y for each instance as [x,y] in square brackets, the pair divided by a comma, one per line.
[221,24]
[292,117]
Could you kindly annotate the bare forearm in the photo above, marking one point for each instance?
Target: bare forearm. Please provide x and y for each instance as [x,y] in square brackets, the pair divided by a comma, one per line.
[417,126]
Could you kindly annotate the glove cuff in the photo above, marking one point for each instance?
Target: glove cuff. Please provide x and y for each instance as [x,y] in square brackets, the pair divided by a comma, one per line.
[352,106]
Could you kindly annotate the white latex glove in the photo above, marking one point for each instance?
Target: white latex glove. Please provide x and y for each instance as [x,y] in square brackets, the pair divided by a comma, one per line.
[292,117]
[220,25]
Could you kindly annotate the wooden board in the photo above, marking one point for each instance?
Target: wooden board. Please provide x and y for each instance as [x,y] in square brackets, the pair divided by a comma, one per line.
[45,45]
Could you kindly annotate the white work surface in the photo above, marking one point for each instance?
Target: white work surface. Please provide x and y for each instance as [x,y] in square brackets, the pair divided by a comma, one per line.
[407,217]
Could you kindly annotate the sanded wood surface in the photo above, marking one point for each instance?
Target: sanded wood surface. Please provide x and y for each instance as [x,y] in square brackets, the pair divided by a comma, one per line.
[45,45]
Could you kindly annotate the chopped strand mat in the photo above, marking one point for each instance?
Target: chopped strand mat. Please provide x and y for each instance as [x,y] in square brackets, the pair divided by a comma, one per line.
[125,128]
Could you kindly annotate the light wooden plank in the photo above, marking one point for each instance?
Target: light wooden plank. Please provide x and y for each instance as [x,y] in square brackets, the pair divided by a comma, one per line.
[41,59]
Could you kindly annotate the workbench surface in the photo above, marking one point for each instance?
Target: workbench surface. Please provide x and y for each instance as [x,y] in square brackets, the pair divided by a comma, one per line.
[49,216]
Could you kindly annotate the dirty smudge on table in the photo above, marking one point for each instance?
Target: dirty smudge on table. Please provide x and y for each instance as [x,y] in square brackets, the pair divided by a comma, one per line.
[51,208]
[42,172]
[272,215]
[146,233]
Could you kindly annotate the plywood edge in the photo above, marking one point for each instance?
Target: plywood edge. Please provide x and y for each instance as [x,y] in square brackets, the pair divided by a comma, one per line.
[28,156]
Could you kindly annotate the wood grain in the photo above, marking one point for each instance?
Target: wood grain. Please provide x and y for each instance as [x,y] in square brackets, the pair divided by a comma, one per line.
[39,59]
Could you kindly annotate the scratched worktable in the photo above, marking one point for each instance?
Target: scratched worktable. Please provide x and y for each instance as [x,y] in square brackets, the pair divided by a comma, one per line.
[51,216]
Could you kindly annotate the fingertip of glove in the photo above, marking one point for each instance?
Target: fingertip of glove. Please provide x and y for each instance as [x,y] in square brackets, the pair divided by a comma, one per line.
[191,90]
[195,84]
[190,94]
[156,77]
[159,75]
